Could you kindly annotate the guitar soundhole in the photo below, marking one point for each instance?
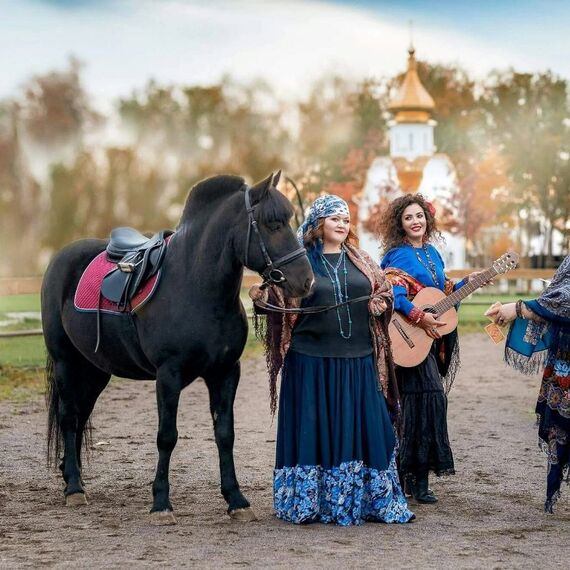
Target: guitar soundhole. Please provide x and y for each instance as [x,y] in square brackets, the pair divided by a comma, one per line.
[429,309]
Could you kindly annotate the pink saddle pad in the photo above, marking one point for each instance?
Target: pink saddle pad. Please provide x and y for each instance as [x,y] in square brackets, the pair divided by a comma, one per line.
[88,295]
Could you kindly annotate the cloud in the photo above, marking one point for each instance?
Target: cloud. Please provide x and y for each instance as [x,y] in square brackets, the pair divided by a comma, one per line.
[288,43]
[76,4]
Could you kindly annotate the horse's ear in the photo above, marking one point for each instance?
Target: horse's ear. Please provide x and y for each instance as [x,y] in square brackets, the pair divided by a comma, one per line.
[260,190]
[276,178]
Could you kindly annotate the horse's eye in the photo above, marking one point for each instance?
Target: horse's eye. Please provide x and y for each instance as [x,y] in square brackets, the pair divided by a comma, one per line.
[274,226]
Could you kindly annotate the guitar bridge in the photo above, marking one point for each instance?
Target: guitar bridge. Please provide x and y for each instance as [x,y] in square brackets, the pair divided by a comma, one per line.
[403,333]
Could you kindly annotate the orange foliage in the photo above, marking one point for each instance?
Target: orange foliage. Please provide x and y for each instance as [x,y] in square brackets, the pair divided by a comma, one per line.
[482,193]
[353,168]
[501,244]
[371,225]
[347,191]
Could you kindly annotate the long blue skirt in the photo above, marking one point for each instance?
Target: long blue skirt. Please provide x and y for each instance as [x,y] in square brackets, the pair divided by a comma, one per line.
[336,448]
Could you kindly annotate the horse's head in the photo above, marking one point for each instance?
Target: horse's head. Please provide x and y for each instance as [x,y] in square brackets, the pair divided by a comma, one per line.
[271,246]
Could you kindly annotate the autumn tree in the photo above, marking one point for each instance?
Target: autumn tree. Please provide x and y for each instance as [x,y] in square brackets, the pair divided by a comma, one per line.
[528,118]
[56,109]
[99,192]
[342,129]
[205,130]
[20,199]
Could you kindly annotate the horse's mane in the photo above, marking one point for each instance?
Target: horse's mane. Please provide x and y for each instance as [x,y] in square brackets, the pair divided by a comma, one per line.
[208,191]
[274,207]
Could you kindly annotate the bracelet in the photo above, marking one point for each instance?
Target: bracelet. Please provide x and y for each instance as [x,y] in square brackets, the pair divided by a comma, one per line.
[518,309]
[416,315]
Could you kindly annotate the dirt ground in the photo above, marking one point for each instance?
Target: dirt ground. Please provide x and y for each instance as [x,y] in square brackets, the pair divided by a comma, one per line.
[489,514]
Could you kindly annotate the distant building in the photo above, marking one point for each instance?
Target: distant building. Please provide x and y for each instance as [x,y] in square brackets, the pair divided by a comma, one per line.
[412,166]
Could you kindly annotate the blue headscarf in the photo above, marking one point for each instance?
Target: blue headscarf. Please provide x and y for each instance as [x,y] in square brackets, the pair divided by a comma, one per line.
[323,207]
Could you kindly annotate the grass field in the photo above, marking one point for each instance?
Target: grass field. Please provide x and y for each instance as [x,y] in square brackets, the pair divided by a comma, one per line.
[22,358]
[28,351]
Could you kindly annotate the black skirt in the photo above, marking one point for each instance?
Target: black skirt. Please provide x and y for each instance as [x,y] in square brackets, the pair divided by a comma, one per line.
[424,444]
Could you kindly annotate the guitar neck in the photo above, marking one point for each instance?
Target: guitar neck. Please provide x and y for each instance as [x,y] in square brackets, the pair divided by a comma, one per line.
[472,285]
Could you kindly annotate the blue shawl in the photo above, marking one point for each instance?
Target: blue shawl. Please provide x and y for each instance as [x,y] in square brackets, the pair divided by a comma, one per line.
[528,341]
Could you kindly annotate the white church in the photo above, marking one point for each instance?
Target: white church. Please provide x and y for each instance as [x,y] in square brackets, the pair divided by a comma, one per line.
[412,166]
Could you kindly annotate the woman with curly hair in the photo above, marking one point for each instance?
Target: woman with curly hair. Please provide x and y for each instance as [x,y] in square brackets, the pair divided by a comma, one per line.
[335,458]
[411,262]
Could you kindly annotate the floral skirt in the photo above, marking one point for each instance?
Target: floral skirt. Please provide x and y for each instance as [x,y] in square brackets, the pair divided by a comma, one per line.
[553,411]
[335,460]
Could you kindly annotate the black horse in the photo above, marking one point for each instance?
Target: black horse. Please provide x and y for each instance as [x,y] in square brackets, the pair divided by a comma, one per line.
[194,326]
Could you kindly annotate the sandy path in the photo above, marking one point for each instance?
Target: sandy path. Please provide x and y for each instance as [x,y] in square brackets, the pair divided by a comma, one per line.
[489,515]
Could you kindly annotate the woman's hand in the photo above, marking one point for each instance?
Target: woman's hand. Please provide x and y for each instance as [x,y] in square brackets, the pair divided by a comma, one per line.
[476,274]
[377,306]
[502,314]
[256,293]
[430,324]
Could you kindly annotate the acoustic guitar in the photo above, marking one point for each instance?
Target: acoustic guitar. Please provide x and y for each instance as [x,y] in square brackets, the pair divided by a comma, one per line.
[410,343]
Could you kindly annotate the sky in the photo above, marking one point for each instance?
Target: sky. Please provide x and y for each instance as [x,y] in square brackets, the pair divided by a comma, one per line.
[289,43]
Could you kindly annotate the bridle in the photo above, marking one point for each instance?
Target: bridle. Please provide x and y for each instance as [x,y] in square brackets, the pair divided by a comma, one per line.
[272,272]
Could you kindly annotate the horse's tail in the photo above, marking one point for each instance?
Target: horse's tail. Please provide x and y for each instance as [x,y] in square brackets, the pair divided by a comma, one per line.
[54,435]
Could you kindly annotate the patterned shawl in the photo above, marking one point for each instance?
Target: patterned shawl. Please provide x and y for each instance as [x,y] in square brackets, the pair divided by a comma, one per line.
[398,277]
[528,340]
[556,297]
[447,348]
[276,334]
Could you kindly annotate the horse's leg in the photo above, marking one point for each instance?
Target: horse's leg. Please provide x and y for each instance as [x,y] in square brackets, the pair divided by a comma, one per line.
[94,381]
[67,373]
[222,389]
[168,387]
[79,384]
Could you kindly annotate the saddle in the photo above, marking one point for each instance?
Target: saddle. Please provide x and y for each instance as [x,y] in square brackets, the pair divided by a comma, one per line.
[137,257]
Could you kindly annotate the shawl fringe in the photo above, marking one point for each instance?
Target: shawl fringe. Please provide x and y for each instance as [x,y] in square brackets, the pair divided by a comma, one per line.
[268,329]
[449,359]
[528,365]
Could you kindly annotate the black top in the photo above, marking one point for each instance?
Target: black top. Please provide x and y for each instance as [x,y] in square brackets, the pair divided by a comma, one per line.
[319,334]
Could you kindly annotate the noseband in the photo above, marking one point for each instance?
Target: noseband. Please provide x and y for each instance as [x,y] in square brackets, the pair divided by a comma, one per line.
[271,273]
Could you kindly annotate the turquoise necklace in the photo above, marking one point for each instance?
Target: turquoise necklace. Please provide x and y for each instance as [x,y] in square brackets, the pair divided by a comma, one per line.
[339,296]
[430,266]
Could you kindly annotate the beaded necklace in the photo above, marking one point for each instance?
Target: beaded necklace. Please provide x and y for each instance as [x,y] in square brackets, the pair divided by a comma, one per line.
[339,296]
[430,266]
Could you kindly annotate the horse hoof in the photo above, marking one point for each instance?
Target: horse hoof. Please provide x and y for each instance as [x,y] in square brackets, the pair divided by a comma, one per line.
[243,515]
[76,500]
[163,518]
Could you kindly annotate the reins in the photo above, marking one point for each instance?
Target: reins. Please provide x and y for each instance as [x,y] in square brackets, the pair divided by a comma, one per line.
[309,310]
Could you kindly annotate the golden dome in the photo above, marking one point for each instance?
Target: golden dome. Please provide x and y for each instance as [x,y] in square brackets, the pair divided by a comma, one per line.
[412,103]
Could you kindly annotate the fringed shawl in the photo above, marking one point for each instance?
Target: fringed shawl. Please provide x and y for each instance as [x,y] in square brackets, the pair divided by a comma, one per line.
[447,348]
[556,297]
[275,330]
[400,278]
[528,340]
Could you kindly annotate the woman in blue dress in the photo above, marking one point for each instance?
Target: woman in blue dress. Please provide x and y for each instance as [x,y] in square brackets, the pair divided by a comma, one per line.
[411,263]
[539,337]
[335,457]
